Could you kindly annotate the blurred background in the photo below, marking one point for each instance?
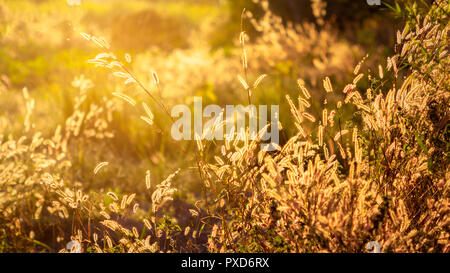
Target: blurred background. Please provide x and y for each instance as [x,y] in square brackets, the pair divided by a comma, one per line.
[193,46]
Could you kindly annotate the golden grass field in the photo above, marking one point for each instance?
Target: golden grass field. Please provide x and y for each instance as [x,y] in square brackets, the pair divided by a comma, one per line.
[88,163]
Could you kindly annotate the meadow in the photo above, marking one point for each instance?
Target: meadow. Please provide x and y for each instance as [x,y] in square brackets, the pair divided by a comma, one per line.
[88,162]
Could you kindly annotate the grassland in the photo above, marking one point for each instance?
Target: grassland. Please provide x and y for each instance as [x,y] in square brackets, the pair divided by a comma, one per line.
[364,146]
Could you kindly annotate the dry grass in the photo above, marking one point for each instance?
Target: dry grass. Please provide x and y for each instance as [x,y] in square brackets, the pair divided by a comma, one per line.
[336,183]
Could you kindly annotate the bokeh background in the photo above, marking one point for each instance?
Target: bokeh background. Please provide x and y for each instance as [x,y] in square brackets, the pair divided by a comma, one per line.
[42,50]
[47,85]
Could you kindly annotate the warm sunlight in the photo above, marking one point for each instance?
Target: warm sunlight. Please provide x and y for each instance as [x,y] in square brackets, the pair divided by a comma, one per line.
[224,126]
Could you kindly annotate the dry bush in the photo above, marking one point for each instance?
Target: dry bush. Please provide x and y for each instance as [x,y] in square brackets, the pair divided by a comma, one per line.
[339,186]
[313,49]
[43,207]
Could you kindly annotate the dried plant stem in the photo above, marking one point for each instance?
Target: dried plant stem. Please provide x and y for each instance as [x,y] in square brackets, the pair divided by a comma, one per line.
[160,104]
